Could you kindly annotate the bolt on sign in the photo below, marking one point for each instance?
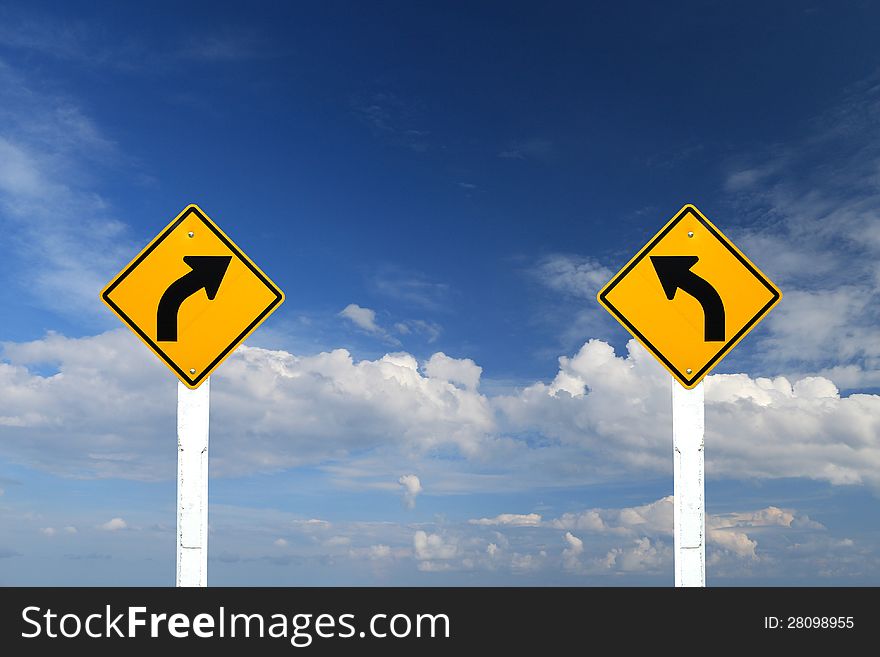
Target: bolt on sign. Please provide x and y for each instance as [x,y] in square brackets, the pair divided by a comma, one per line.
[192,296]
[689,296]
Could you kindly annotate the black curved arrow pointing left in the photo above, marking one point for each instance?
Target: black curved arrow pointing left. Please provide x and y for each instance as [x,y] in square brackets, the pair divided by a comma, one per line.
[675,273]
[207,272]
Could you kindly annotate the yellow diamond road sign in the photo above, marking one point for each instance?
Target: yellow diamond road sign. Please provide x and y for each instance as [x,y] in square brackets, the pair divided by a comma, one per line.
[192,296]
[689,296]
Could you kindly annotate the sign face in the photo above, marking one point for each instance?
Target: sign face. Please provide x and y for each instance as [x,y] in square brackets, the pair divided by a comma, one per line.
[192,296]
[689,296]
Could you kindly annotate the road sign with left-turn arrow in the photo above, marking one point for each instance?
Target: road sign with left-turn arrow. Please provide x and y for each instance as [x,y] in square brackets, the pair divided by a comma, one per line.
[689,296]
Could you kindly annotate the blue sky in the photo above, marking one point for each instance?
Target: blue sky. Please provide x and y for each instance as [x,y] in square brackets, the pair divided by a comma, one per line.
[440,189]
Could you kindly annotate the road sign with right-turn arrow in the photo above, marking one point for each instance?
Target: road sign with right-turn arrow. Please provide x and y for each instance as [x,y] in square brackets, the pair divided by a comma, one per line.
[689,296]
[192,296]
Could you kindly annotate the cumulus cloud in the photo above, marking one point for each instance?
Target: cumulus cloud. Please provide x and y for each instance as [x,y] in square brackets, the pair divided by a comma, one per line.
[737,542]
[280,542]
[730,531]
[114,524]
[654,518]
[571,554]
[642,555]
[433,547]
[95,415]
[769,517]
[462,371]
[618,409]
[411,489]
[114,400]
[364,318]
[601,417]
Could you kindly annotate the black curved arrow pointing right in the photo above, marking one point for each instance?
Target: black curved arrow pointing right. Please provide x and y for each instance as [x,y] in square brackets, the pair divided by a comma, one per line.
[207,272]
[675,272]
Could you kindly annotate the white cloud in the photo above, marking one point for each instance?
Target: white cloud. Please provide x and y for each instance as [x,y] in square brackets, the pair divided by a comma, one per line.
[618,409]
[737,542]
[411,489]
[433,547]
[525,563]
[380,552]
[280,542]
[364,318]
[571,554]
[769,517]
[113,399]
[455,370]
[654,518]
[511,519]
[51,531]
[106,399]
[602,416]
[642,555]
[729,531]
[114,524]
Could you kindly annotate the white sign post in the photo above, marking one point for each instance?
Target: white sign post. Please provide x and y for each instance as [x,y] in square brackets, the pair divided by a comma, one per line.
[689,296]
[192,264]
[688,524]
[192,484]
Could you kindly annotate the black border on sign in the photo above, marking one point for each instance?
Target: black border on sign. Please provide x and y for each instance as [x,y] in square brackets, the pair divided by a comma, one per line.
[194,382]
[689,381]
